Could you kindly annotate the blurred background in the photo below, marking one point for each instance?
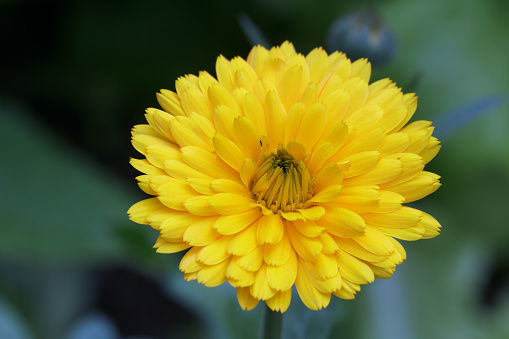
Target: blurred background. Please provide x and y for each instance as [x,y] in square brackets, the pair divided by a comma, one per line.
[75,76]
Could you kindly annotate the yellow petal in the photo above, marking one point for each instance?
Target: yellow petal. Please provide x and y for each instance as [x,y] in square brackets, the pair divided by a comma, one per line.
[229,186]
[170,102]
[164,246]
[243,242]
[199,205]
[353,248]
[247,138]
[319,156]
[389,202]
[254,112]
[281,278]
[229,152]
[247,172]
[342,222]
[402,218]
[417,188]
[200,185]
[261,289]
[312,126]
[141,210]
[223,118]
[431,225]
[180,170]
[385,171]
[290,84]
[142,141]
[223,72]
[229,203]
[278,254]
[327,194]
[184,132]
[312,213]
[329,245]
[246,301]
[370,141]
[306,247]
[395,143]
[329,175]
[410,233]
[270,229]
[234,271]
[220,96]
[188,264]
[348,290]
[309,295]
[215,252]
[375,242]
[308,228]
[361,68]
[280,301]
[412,165]
[317,61]
[158,154]
[232,224]
[253,260]
[144,166]
[193,101]
[212,276]
[207,163]
[173,227]
[275,116]
[361,163]
[175,194]
[205,81]
[201,233]
[354,269]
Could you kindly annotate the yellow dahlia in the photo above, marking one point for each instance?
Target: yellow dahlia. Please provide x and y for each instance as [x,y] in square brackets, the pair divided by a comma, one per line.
[285,170]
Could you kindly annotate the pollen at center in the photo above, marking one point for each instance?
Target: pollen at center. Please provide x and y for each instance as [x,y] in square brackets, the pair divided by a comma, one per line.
[282,182]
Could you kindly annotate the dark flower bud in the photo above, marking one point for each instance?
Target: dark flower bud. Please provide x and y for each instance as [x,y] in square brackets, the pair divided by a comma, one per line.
[363,34]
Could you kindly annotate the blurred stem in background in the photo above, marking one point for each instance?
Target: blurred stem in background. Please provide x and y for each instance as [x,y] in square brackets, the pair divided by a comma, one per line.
[272,326]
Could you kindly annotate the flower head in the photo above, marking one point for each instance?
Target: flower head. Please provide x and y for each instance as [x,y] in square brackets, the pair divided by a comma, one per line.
[285,170]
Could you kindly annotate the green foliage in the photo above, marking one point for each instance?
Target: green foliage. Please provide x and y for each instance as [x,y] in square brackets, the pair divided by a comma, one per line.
[62,204]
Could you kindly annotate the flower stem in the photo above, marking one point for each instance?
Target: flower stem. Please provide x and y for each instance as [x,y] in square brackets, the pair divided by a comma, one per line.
[272,327]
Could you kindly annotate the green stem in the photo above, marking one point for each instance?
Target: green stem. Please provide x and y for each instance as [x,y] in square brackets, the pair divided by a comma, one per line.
[272,327]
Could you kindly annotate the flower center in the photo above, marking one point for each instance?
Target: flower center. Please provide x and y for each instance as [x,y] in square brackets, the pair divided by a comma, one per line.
[282,182]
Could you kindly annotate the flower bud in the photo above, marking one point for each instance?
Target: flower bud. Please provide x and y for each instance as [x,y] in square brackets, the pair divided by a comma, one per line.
[363,34]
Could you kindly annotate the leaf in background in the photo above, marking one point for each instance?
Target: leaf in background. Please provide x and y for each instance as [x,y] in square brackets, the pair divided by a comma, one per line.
[252,32]
[453,120]
[94,325]
[12,325]
[55,203]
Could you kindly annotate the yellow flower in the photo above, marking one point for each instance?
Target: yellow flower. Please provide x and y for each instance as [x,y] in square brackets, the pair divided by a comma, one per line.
[285,170]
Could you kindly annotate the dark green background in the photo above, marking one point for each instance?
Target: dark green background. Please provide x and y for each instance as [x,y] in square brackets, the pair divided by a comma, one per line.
[76,75]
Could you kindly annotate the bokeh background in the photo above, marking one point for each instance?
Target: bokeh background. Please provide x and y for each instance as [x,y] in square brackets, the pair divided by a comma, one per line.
[75,76]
